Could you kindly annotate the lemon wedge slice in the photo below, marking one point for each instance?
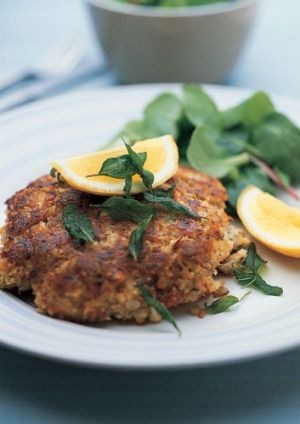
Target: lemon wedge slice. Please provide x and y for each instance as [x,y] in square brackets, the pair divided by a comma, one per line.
[270,221]
[162,161]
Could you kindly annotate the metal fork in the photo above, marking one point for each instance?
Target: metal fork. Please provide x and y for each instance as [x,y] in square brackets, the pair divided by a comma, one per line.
[57,60]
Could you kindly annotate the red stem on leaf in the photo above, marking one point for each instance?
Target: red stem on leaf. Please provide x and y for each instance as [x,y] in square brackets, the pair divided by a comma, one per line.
[275,177]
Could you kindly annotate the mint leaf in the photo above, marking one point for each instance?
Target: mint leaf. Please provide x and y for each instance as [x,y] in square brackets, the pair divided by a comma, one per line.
[138,165]
[164,192]
[121,209]
[170,204]
[221,305]
[224,303]
[77,223]
[247,274]
[136,238]
[159,307]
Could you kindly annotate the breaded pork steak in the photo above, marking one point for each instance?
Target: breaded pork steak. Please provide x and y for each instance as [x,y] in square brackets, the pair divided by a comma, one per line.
[98,281]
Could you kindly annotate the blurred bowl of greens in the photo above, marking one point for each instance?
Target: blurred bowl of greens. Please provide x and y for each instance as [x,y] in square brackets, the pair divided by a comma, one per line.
[172,40]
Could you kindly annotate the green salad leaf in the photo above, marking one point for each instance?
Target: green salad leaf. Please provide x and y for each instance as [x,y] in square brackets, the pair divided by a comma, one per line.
[200,109]
[249,113]
[206,155]
[278,139]
[247,143]
[162,115]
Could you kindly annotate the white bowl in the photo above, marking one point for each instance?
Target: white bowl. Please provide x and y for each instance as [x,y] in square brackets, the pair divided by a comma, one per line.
[192,44]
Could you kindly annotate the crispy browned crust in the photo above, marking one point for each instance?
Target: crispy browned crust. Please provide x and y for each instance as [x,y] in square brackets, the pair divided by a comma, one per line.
[99,281]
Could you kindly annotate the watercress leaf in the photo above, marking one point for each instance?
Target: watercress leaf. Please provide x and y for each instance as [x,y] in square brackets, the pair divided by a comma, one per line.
[256,109]
[278,139]
[137,163]
[233,141]
[159,307]
[199,108]
[161,116]
[247,175]
[170,204]
[77,223]
[251,112]
[221,305]
[204,154]
[133,131]
[121,209]
[136,238]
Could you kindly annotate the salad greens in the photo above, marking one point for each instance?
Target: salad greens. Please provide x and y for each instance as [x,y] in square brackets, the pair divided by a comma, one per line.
[172,3]
[250,143]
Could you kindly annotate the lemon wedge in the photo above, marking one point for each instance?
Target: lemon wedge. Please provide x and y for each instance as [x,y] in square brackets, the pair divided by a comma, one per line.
[270,221]
[162,161]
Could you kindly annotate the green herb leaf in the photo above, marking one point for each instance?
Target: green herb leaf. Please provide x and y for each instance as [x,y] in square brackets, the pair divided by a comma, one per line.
[120,209]
[120,166]
[278,139]
[250,113]
[77,223]
[137,236]
[53,172]
[247,273]
[248,175]
[164,192]
[170,204]
[161,116]
[138,166]
[222,304]
[159,307]
[204,154]
[199,108]
[253,260]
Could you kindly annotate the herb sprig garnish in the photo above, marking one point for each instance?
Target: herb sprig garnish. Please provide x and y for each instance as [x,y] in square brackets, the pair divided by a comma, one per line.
[170,204]
[121,209]
[77,224]
[125,167]
[138,165]
[159,307]
[129,209]
[121,167]
[137,236]
[224,303]
[248,275]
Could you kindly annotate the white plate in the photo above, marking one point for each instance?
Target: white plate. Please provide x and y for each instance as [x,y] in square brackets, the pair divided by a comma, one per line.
[30,138]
